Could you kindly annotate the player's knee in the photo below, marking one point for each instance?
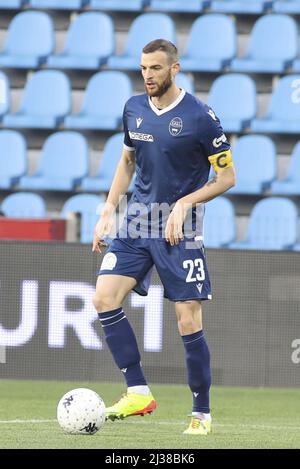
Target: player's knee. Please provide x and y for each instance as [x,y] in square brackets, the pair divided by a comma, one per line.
[105,302]
[187,324]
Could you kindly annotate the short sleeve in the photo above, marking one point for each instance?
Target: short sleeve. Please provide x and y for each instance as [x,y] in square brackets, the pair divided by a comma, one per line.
[213,137]
[214,141]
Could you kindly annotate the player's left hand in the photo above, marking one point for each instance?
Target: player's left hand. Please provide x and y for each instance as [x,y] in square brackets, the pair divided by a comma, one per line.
[173,231]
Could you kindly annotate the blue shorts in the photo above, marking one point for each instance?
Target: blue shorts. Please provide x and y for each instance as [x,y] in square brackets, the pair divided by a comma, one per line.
[183,272]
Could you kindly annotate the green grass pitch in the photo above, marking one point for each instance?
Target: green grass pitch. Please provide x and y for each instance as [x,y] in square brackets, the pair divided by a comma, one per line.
[242,418]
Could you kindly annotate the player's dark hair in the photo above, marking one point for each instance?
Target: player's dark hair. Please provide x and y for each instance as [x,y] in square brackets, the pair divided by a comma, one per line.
[165,46]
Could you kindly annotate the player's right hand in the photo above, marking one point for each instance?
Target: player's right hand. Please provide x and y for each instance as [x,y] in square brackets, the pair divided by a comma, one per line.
[102,229]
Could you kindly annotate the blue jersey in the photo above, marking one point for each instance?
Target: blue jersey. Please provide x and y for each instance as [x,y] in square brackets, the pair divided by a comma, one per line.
[172,149]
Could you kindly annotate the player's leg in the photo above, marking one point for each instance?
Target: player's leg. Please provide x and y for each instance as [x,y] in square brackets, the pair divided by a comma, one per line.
[189,316]
[185,278]
[111,290]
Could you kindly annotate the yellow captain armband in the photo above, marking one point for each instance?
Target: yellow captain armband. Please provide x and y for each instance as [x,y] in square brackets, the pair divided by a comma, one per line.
[221,160]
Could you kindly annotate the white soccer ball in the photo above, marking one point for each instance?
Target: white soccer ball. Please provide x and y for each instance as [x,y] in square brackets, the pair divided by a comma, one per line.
[81,412]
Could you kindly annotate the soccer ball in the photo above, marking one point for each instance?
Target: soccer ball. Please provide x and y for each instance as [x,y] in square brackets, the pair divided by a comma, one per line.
[81,412]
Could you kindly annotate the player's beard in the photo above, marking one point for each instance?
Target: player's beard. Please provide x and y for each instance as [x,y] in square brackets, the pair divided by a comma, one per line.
[162,88]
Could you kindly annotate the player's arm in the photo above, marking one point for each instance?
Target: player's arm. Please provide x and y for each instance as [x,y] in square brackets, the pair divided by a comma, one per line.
[223,180]
[122,178]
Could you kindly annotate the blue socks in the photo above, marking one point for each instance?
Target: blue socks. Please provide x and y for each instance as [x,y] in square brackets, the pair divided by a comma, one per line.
[198,367]
[122,343]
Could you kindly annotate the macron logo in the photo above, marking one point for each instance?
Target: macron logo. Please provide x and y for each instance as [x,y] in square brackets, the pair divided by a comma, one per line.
[124,370]
[139,120]
[199,286]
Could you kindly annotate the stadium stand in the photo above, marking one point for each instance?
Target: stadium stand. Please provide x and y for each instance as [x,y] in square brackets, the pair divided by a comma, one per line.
[4,94]
[144,29]
[178,6]
[251,152]
[64,162]
[46,101]
[287,6]
[291,184]
[272,47]
[273,225]
[119,5]
[88,206]
[12,4]
[13,159]
[90,41]
[219,223]
[59,4]
[218,34]
[225,97]
[283,115]
[241,7]
[250,86]
[105,96]
[22,49]
[110,158]
[24,205]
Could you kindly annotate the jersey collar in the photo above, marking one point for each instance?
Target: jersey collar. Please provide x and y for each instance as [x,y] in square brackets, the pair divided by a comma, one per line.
[168,108]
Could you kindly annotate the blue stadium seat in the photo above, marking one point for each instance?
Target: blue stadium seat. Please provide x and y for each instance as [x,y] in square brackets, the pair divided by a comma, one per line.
[64,162]
[46,101]
[24,205]
[241,6]
[4,95]
[251,152]
[145,28]
[218,34]
[287,6]
[183,80]
[29,40]
[219,223]
[12,4]
[109,161]
[273,46]
[283,115]
[13,159]
[233,98]
[179,6]
[59,4]
[89,43]
[119,5]
[105,96]
[273,225]
[89,207]
[291,184]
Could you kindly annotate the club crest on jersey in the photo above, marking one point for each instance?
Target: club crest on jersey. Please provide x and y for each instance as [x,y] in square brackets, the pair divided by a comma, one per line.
[175,126]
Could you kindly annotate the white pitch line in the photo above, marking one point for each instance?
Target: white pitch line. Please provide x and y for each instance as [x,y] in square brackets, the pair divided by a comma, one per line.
[160,422]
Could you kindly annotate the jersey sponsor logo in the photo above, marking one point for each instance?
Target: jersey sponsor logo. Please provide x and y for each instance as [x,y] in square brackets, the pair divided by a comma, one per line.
[138,120]
[212,114]
[140,136]
[109,261]
[217,142]
[175,126]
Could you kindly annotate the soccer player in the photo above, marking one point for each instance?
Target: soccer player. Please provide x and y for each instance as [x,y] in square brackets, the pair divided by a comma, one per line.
[171,140]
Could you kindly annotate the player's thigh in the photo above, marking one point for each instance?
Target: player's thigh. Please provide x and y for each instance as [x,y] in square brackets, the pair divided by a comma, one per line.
[111,290]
